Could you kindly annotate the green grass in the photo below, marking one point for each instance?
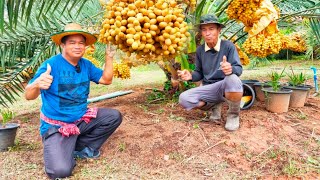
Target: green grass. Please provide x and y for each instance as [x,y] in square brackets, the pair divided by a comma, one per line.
[261,72]
[144,76]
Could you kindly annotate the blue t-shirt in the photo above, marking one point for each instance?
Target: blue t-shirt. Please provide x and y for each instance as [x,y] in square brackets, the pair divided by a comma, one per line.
[66,99]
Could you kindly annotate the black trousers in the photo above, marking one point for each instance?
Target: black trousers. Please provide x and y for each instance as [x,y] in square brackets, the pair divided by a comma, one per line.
[58,150]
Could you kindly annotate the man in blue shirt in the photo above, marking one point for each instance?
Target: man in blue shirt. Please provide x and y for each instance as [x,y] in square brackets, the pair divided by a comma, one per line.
[218,66]
[68,127]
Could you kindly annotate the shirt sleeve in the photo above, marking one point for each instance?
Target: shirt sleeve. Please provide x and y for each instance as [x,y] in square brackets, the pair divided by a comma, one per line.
[197,73]
[95,73]
[41,69]
[235,60]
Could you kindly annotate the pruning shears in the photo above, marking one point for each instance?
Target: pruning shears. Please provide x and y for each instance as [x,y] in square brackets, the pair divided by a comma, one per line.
[315,79]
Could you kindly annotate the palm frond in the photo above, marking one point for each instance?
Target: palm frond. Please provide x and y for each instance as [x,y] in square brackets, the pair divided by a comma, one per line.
[291,6]
[15,11]
[315,26]
[313,39]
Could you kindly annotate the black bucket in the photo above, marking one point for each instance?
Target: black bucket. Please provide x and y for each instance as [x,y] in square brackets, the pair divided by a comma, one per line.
[247,92]
[250,82]
[8,135]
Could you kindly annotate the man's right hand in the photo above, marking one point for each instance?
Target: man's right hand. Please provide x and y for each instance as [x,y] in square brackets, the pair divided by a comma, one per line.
[45,79]
[185,75]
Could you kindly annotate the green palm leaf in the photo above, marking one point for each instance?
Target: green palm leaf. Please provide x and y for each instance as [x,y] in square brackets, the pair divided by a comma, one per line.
[315,26]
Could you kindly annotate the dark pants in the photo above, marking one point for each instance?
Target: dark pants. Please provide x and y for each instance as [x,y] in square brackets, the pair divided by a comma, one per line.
[58,150]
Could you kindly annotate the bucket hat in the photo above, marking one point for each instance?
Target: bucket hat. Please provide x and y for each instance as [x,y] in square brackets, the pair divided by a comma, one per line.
[72,29]
[209,19]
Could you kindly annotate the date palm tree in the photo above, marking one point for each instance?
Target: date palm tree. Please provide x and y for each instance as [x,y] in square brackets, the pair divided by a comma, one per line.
[26,25]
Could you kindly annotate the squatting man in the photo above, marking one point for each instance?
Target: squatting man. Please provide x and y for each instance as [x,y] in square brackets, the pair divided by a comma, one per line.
[218,66]
[69,129]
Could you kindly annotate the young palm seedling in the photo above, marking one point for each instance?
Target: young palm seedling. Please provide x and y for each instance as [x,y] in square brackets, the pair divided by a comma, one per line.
[275,79]
[7,116]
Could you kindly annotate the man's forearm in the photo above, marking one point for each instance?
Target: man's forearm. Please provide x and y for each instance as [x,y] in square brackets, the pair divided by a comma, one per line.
[237,70]
[196,76]
[107,75]
[32,91]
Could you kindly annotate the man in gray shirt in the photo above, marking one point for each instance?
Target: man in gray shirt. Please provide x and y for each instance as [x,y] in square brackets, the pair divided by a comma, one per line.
[218,66]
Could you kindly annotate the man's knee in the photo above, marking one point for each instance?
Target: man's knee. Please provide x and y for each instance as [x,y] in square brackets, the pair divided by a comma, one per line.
[233,83]
[233,79]
[112,115]
[59,172]
[117,116]
[183,98]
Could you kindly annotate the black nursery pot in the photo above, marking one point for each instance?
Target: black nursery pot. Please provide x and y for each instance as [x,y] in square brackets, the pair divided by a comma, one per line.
[250,82]
[8,135]
[248,91]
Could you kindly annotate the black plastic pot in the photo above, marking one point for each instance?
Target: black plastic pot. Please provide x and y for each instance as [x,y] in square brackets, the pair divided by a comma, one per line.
[248,91]
[250,82]
[8,135]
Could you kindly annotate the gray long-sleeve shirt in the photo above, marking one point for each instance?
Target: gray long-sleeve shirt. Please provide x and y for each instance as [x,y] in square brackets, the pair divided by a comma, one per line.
[208,63]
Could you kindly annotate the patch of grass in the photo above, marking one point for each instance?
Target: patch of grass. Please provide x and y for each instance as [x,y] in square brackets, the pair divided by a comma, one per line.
[145,76]
[249,156]
[159,111]
[302,116]
[306,144]
[291,168]
[278,153]
[271,160]
[315,161]
[214,170]
[244,149]
[173,117]
[258,62]
[143,107]
[156,97]
[196,126]
[25,120]
[272,154]
[20,145]
[156,120]
[122,147]
[261,71]
[31,166]
[281,160]
[176,156]
[97,169]
[149,67]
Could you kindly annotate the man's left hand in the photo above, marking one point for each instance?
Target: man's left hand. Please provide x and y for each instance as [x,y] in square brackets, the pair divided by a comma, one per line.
[110,51]
[226,66]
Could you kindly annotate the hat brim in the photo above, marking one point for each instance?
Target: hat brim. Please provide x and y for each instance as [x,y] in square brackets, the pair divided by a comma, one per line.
[90,38]
[198,25]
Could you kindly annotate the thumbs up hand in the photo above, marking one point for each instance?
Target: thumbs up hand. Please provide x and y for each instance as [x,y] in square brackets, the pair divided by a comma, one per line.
[45,79]
[226,66]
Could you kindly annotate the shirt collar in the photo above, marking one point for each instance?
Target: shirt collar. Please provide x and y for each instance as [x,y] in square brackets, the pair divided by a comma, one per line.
[217,47]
